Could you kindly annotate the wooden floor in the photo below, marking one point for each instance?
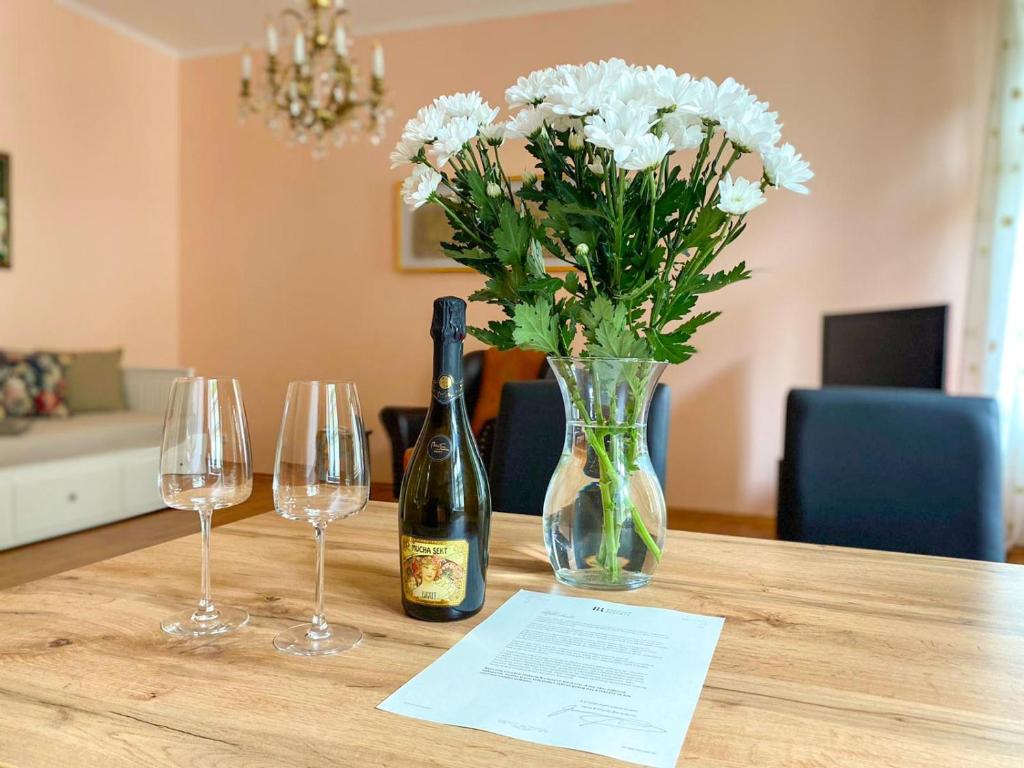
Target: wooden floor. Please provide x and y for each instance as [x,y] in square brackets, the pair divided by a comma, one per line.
[45,558]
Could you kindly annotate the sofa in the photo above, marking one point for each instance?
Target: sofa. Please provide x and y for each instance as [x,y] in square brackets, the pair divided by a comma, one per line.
[68,474]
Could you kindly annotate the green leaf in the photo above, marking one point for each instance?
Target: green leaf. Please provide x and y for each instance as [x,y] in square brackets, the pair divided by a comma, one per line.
[598,311]
[718,280]
[571,283]
[546,285]
[669,349]
[536,327]
[535,259]
[512,237]
[685,330]
[678,307]
[613,341]
[709,221]
[498,334]
[606,326]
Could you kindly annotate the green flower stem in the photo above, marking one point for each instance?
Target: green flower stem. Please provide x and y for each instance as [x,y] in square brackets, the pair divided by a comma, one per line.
[455,217]
[736,155]
[641,529]
[501,170]
[718,156]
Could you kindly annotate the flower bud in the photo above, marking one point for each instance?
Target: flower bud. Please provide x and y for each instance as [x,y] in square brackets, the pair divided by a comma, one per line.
[493,190]
[529,179]
[575,141]
[582,250]
[596,167]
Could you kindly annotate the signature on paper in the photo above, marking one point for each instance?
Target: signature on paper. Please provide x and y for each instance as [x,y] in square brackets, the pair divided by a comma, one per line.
[611,721]
[523,726]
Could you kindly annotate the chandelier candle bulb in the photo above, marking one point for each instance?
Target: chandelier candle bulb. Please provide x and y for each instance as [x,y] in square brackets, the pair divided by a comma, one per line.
[299,53]
[340,39]
[378,61]
[271,39]
[246,64]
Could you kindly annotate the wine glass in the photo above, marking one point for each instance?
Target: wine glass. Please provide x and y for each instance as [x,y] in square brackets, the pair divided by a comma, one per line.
[205,465]
[320,474]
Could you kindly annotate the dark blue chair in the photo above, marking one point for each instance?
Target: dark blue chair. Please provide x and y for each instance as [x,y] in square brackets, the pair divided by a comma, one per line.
[528,441]
[895,469]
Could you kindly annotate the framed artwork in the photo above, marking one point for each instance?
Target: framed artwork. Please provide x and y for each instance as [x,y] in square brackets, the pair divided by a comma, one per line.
[5,211]
[420,232]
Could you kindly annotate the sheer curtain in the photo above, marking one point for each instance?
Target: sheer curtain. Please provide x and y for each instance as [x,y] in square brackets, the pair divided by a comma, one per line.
[994,342]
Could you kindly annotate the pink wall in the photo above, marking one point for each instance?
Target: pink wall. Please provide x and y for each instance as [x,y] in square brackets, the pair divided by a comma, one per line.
[286,263]
[90,119]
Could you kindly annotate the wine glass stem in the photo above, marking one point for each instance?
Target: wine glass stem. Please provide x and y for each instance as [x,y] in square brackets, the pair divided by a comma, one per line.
[319,630]
[206,609]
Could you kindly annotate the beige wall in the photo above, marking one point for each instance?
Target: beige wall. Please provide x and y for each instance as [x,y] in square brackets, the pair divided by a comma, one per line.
[90,119]
[287,263]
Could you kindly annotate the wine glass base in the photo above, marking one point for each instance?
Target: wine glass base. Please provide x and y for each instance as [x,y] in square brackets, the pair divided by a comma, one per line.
[297,641]
[185,623]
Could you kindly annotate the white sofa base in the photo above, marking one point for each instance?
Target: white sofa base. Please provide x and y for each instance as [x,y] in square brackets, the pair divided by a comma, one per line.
[46,499]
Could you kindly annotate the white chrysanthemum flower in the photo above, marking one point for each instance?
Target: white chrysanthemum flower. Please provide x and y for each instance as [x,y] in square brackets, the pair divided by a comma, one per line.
[466,105]
[718,102]
[662,88]
[525,123]
[425,126]
[739,196]
[531,89]
[753,127]
[420,185]
[493,133]
[646,152]
[685,130]
[619,127]
[405,151]
[584,90]
[453,136]
[784,167]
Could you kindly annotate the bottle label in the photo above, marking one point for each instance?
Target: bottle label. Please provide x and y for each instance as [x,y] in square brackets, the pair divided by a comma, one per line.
[446,388]
[439,447]
[434,570]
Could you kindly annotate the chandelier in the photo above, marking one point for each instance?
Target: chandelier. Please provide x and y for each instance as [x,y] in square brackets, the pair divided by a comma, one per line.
[315,98]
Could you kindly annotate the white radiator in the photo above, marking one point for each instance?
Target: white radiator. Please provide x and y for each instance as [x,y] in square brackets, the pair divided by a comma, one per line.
[147,388]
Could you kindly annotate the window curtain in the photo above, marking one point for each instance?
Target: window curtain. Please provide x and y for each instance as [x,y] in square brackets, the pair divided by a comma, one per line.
[994,336]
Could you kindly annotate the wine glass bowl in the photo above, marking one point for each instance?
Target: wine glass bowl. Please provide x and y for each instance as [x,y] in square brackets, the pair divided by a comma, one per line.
[205,465]
[321,474]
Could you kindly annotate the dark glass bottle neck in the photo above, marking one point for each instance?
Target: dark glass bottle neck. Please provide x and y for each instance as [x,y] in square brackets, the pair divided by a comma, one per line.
[448,359]
[447,387]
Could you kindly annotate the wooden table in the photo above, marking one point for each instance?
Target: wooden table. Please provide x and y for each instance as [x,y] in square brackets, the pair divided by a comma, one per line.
[829,657]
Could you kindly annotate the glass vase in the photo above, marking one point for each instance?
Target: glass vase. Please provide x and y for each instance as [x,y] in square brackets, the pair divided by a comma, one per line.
[604,512]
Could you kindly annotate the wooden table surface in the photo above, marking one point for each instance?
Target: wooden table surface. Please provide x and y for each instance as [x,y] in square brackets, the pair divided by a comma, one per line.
[829,657]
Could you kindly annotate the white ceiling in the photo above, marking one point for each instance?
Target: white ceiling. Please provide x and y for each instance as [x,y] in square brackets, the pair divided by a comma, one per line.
[190,28]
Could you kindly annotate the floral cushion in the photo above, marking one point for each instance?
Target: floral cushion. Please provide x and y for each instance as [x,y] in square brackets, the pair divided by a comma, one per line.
[33,384]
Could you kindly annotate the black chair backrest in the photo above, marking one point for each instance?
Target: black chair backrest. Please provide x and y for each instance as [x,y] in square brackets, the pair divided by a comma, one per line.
[903,470]
[472,368]
[529,437]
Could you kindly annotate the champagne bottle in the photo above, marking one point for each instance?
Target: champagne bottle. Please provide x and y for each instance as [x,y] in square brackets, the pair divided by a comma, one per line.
[445,502]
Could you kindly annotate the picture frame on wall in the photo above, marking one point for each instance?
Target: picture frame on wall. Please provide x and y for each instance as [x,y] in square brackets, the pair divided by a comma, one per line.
[5,211]
[419,233]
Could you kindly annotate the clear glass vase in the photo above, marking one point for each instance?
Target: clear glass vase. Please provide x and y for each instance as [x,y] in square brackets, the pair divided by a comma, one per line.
[604,512]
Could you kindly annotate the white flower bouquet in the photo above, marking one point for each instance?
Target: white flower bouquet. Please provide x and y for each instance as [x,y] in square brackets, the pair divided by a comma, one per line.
[613,199]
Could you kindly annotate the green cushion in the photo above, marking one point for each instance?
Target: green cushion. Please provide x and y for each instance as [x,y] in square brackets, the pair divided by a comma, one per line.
[95,383]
